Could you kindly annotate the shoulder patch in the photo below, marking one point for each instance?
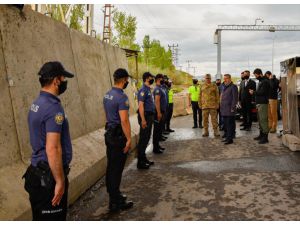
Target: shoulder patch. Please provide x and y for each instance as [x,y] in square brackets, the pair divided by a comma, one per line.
[59,118]
[127,103]
[157,91]
[142,93]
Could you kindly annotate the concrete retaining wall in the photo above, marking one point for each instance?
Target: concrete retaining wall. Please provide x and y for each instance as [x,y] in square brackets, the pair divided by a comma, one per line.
[26,43]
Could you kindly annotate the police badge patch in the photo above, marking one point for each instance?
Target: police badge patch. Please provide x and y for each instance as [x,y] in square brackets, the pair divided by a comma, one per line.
[127,103]
[142,94]
[157,91]
[59,118]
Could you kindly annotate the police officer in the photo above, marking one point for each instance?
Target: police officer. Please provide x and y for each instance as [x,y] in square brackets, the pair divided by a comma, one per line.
[170,107]
[46,178]
[117,139]
[160,110]
[145,119]
[164,87]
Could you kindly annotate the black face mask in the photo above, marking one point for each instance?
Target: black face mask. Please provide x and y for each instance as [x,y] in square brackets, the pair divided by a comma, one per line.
[169,85]
[151,81]
[62,87]
[125,85]
[195,82]
[162,82]
[218,84]
[243,78]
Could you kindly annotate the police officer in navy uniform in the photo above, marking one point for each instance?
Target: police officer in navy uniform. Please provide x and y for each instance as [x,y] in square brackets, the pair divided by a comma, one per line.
[160,102]
[117,139]
[46,178]
[164,87]
[145,119]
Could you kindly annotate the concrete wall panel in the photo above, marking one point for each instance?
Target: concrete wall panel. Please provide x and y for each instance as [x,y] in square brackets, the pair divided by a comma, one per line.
[36,40]
[92,72]
[9,146]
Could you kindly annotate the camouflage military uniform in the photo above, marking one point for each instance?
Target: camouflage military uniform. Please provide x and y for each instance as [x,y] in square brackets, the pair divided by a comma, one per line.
[209,100]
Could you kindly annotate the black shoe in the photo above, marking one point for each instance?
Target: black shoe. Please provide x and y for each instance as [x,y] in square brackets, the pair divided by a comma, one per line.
[157,151]
[201,127]
[223,136]
[221,129]
[163,139]
[161,148]
[264,139]
[170,130]
[122,197]
[243,128]
[224,140]
[228,142]
[149,162]
[242,124]
[166,132]
[143,165]
[115,207]
[195,127]
[248,129]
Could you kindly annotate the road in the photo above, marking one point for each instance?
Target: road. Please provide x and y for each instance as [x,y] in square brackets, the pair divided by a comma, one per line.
[201,179]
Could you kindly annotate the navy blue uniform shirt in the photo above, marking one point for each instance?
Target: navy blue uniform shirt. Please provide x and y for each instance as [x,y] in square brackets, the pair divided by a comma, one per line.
[46,115]
[144,95]
[165,89]
[114,101]
[163,97]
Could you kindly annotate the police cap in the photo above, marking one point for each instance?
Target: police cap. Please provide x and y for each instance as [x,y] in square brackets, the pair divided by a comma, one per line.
[158,76]
[54,69]
[147,75]
[121,73]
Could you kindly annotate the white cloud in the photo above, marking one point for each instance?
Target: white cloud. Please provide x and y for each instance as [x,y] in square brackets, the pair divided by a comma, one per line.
[193,26]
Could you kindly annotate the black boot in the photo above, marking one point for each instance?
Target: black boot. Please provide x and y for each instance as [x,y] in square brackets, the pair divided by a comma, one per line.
[143,165]
[120,205]
[264,139]
[259,136]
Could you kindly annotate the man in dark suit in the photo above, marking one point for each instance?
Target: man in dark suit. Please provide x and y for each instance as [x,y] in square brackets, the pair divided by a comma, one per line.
[246,99]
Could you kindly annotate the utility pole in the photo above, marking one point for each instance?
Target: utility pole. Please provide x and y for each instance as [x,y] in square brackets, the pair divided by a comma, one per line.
[174,48]
[188,68]
[194,67]
[107,23]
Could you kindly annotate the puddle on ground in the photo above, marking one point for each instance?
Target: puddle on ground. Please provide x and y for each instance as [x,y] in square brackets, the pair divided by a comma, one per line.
[261,164]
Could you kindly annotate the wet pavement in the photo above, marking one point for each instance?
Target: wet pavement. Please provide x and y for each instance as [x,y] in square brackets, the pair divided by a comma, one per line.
[202,179]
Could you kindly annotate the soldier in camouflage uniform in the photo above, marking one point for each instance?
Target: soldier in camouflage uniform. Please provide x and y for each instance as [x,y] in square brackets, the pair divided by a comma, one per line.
[209,100]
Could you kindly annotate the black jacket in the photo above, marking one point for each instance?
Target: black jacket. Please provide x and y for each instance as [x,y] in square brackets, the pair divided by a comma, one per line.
[274,86]
[263,90]
[244,95]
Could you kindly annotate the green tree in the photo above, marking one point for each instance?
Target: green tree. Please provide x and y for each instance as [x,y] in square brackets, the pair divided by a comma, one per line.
[58,12]
[125,30]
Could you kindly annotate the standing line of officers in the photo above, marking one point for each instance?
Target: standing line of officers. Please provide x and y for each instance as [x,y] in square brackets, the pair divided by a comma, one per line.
[222,99]
[46,179]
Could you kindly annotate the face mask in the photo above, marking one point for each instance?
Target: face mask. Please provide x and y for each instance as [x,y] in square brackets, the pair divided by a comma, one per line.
[151,81]
[62,87]
[195,82]
[218,84]
[169,85]
[125,85]
[162,82]
[243,78]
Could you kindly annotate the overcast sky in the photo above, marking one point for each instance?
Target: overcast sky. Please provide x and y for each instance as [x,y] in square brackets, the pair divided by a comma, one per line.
[192,27]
